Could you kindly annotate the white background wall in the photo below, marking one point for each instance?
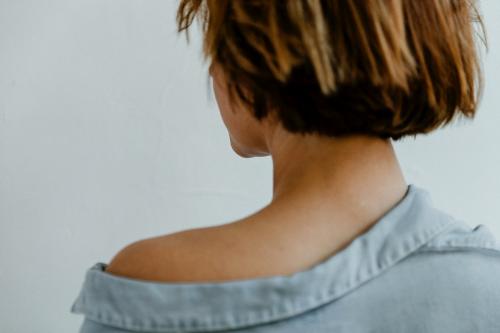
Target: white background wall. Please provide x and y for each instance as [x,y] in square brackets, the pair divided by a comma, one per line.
[108,135]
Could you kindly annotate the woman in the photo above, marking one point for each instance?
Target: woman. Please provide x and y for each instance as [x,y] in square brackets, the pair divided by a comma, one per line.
[345,245]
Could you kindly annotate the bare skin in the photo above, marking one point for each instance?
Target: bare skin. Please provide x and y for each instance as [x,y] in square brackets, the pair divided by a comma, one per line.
[326,192]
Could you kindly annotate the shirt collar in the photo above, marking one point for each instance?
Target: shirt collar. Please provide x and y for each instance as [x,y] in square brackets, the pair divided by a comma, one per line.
[196,307]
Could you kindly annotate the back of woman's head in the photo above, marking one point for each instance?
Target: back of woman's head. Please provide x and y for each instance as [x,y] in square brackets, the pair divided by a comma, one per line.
[387,68]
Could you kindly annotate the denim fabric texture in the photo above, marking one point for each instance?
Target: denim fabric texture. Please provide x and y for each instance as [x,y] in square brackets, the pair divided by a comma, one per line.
[418,269]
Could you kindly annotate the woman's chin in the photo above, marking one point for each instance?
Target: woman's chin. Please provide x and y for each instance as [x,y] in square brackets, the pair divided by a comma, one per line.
[239,151]
[246,152]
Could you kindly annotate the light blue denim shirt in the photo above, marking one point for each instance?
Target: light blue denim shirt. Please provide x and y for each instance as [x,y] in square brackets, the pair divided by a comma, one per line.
[417,269]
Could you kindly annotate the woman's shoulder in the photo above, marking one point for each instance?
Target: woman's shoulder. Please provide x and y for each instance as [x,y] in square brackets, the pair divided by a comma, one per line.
[217,253]
[179,256]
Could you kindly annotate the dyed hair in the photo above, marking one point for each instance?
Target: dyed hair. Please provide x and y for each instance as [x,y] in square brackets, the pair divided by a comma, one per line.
[387,68]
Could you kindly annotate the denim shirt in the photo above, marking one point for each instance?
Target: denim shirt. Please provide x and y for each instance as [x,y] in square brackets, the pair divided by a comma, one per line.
[418,269]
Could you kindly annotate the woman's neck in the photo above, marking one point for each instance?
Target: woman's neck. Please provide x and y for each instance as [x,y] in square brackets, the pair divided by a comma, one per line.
[326,192]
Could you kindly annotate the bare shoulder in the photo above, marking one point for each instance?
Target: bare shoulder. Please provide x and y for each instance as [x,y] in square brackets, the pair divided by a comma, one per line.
[232,251]
[193,255]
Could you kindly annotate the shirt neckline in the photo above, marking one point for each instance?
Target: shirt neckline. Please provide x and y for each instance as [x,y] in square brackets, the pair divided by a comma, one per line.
[206,306]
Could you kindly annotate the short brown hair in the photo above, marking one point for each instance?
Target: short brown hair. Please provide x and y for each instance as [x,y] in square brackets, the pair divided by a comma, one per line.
[387,68]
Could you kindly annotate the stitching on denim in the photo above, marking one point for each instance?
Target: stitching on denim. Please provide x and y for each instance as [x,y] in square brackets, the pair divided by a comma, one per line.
[489,247]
